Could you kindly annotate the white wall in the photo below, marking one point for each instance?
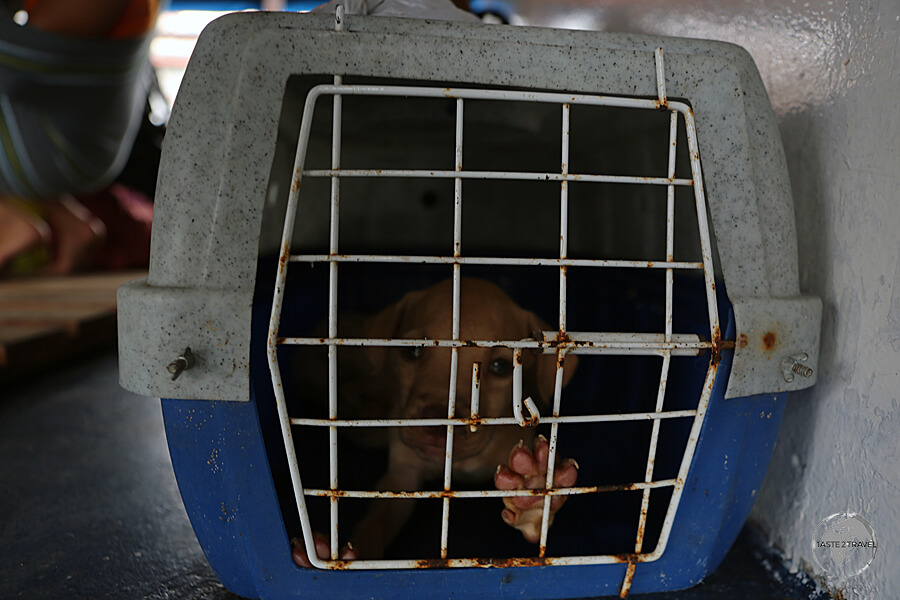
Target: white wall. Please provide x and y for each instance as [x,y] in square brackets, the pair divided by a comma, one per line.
[833,73]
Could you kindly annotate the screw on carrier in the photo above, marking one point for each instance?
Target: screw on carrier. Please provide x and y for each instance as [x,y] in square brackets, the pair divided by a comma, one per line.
[181,364]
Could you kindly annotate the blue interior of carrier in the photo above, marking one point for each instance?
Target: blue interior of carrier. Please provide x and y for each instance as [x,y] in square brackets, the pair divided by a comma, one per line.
[232,472]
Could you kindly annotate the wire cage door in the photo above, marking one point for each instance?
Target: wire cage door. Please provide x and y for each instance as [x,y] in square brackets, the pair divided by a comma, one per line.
[664,344]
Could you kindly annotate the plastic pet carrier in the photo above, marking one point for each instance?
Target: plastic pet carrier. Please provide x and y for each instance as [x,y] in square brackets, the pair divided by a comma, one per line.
[628,192]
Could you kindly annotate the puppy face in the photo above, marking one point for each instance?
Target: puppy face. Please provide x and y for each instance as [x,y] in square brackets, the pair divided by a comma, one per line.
[416,380]
[421,391]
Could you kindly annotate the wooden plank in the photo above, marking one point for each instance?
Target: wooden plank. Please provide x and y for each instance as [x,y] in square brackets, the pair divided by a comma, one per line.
[20,344]
[52,310]
[46,320]
[78,286]
[75,323]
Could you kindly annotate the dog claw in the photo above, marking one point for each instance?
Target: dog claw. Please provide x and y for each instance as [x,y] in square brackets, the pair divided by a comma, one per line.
[349,553]
[509,517]
[527,470]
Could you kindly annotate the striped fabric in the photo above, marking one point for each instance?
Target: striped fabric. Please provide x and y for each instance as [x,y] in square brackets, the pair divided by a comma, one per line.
[69,109]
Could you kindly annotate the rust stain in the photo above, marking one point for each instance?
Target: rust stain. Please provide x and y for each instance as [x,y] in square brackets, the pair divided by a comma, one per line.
[627,558]
[641,525]
[743,341]
[401,494]
[716,346]
[626,583]
[431,563]
[514,562]
[491,563]
[769,340]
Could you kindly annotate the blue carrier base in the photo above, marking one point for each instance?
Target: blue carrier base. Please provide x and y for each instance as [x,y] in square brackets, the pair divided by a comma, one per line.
[228,480]
[226,484]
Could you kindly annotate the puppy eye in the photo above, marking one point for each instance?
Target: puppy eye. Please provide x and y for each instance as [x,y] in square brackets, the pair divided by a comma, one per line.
[414,352]
[500,366]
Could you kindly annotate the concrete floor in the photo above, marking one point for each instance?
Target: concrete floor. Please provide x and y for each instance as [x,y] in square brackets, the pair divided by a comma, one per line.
[90,507]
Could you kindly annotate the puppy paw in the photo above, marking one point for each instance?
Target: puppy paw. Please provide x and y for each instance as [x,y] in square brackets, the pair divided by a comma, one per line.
[527,470]
[323,550]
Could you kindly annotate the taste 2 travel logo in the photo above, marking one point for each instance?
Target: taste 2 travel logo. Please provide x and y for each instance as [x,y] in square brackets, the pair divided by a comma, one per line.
[844,545]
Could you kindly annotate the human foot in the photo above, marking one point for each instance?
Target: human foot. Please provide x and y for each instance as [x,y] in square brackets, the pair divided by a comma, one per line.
[77,234]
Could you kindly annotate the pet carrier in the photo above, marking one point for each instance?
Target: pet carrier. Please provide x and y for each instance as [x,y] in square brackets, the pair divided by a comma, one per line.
[317,168]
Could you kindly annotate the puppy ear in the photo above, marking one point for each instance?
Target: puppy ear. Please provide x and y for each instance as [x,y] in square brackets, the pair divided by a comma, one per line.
[543,366]
[385,324]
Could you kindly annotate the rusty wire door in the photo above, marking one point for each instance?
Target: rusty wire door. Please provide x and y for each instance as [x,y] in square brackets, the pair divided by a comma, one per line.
[665,343]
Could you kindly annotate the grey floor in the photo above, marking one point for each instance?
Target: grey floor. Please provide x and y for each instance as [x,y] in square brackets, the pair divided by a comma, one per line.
[89,507]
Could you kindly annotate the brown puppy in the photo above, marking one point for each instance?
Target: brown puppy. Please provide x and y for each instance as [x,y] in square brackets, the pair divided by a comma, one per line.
[413,383]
